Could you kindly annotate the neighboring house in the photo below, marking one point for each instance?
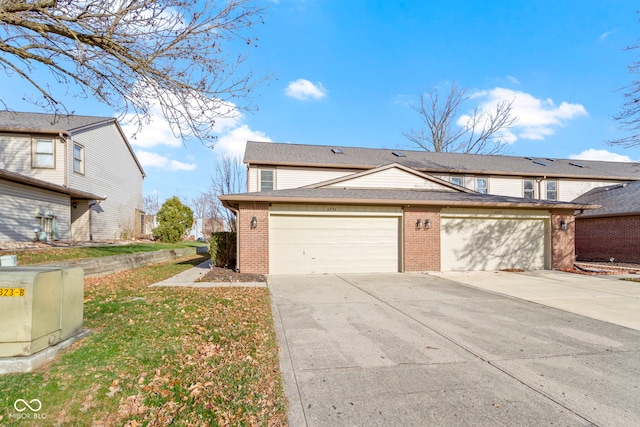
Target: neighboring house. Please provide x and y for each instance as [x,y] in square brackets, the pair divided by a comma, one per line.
[322,209]
[282,166]
[613,231]
[73,177]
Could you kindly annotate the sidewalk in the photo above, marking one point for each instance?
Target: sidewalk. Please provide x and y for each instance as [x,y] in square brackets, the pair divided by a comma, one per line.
[188,278]
[604,298]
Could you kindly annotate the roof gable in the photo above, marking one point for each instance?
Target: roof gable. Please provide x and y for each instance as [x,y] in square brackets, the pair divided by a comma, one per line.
[391,176]
[619,199]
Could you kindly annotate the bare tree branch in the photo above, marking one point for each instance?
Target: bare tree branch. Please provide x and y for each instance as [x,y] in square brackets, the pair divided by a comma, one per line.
[133,55]
[230,177]
[482,132]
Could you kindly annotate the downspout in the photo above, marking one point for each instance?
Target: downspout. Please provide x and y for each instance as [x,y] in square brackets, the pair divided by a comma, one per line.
[66,153]
[539,181]
[237,212]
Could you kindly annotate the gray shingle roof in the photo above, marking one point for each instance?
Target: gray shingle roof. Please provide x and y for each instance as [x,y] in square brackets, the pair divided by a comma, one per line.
[375,196]
[365,158]
[615,199]
[48,123]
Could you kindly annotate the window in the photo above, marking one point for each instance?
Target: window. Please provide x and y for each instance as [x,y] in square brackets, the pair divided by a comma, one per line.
[552,190]
[457,180]
[78,158]
[529,189]
[482,185]
[43,153]
[266,180]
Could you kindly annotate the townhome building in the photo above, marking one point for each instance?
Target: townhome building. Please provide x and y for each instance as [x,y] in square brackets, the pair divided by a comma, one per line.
[72,178]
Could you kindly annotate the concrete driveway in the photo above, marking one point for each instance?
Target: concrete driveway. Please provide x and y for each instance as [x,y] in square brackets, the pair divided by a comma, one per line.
[422,350]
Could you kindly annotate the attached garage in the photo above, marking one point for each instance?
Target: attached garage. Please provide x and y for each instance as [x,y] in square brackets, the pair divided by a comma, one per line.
[334,239]
[481,239]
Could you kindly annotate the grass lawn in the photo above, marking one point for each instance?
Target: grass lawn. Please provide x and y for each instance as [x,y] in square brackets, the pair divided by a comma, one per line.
[160,356]
[52,254]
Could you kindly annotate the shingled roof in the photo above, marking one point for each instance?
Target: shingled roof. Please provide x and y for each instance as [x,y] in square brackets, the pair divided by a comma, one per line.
[269,153]
[616,200]
[12,121]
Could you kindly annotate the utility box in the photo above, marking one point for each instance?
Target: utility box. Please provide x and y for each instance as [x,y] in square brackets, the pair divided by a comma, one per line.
[8,261]
[39,307]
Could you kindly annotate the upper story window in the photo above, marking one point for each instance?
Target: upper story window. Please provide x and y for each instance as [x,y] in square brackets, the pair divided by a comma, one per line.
[528,187]
[266,179]
[552,190]
[78,158]
[457,180]
[482,185]
[43,153]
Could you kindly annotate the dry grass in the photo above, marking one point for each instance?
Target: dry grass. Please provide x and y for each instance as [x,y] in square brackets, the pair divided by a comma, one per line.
[161,356]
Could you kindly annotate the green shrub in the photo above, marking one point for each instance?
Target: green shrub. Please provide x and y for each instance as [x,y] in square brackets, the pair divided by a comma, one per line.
[222,248]
[174,221]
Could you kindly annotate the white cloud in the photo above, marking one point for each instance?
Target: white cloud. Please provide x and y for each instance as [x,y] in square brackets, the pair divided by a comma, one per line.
[303,89]
[513,80]
[603,155]
[537,118]
[233,143]
[149,159]
[606,34]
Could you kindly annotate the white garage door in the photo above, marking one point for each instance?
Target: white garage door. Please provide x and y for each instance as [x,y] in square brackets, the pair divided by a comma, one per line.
[494,243]
[300,244]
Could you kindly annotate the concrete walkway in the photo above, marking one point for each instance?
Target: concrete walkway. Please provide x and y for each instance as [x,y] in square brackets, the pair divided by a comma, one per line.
[190,277]
[605,298]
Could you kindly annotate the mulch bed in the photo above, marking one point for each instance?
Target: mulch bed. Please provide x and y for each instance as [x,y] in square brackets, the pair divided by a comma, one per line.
[218,274]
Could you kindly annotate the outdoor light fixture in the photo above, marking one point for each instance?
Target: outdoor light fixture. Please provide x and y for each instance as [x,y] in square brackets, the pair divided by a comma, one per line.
[419,224]
[563,225]
[254,222]
[75,205]
[427,223]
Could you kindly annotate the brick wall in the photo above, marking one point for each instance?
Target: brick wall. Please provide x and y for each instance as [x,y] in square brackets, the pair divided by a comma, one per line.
[421,247]
[604,238]
[562,241]
[253,242]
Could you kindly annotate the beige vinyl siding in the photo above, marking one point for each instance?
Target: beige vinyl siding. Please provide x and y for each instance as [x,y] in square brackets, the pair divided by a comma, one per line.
[109,171]
[569,189]
[391,178]
[501,186]
[288,177]
[18,204]
[15,156]
[80,220]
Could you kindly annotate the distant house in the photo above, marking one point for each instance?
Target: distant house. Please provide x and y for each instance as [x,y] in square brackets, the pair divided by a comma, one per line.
[336,209]
[67,177]
[613,231]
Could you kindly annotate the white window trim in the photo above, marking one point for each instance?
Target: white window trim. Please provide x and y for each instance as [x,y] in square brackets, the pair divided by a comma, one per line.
[82,163]
[34,153]
[273,178]
[546,187]
[533,188]
[486,178]
[460,177]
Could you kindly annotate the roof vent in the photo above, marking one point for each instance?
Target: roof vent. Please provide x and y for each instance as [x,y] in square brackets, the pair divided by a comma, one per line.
[538,162]
[551,160]
[336,151]
[528,158]
[578,165]
[398,154]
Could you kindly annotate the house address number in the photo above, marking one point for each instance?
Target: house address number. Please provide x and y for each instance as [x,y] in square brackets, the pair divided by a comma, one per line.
[331,209]
[11,292]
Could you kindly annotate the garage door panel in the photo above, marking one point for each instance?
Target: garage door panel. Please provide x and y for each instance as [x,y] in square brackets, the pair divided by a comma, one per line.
[493,244]
[333,244]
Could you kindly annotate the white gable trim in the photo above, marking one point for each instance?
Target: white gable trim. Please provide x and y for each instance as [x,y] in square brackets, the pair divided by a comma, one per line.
[391,176]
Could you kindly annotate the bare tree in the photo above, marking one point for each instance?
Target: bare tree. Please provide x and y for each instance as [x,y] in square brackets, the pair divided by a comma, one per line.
[229,178]
[480,132]
[150,204]
[629,116]
[134,56]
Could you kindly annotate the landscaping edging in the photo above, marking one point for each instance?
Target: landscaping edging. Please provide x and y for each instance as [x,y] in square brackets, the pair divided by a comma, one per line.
[112,264]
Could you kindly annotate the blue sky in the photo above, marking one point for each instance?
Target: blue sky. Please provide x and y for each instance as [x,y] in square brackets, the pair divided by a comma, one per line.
[345,72]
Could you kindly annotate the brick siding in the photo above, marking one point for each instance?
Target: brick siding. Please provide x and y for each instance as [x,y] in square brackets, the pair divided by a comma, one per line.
[562,241]
[599,239]
[253,242]
[421,246]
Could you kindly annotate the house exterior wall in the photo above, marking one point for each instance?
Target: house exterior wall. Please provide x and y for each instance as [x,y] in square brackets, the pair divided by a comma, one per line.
[253,243]
[569,189]
[15,156]
[18,203]
[600,239]
[421,247]
[109,170]
[291,177]
[562,241]
[391,178]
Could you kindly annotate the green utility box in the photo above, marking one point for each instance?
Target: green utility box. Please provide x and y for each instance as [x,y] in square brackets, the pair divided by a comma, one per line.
[39,307]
